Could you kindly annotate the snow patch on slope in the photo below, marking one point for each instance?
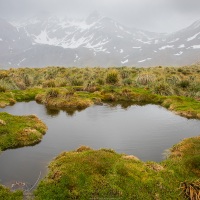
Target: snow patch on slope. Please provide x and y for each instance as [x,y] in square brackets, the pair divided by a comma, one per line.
[181,46]
[71,43]
[166,47]
[125,61]
[97,47]
[178,54]
[195,47]
[174,40]
[43,38]
[21,61]
[126,56]
[156,42]
[136,47]
[144,42]
[144,60]
[193,37]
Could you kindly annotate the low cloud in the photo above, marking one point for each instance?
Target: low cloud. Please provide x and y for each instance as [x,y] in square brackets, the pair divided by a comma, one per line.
[157,15]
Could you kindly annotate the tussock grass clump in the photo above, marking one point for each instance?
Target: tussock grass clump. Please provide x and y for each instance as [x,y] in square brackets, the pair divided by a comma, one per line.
[48,84]
[162,89]
[145,78]
[191,190]
[77,82]
[52,93]
[2,88]
[184,83]
[83,148]
[112,77]
[18,131]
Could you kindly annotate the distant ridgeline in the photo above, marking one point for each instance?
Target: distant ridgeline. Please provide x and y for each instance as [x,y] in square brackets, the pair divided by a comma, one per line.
[97,41]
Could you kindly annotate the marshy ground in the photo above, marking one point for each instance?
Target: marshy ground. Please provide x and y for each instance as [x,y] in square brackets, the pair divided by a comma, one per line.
[87,173]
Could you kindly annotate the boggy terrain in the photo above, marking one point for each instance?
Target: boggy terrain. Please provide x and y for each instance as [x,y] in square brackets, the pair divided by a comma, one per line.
[104,173]
[94,174]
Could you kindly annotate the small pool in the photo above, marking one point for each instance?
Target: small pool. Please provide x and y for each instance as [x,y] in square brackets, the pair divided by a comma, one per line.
[144,131]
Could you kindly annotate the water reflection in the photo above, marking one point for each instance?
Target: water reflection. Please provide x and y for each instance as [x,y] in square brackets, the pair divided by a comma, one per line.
[52,112]
[125,104]
[55,111]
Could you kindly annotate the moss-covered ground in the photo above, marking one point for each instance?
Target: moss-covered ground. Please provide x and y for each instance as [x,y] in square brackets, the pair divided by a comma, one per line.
[6,194]
[103,174]
[18,131]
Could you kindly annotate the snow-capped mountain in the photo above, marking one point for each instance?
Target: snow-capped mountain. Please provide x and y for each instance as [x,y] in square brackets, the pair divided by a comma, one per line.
[95,41]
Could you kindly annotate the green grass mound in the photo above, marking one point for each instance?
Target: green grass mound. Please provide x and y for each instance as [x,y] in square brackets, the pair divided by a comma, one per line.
[11,97]
[6,194]
[63,98]
[184,162]
[18,131]
[104,174]
[185,157]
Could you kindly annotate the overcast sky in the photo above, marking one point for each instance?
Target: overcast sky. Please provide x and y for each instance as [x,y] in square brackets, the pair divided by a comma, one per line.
[152,15]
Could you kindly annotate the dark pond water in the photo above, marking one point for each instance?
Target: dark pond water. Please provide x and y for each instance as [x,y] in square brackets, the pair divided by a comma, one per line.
[145,131]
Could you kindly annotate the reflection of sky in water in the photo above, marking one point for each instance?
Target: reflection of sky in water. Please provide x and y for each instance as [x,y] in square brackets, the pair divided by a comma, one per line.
[144,131]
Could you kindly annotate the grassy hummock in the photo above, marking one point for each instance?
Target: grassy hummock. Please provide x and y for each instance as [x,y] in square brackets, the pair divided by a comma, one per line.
[184,106]
[103,174]
[62,98]
[72,97]
[18,131]
[11,97]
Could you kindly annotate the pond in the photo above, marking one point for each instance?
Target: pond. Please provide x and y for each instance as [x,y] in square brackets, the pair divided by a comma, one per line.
[144,131]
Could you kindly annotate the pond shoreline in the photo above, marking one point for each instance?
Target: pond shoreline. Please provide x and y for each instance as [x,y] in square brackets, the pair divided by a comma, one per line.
[179,105]
[115,102]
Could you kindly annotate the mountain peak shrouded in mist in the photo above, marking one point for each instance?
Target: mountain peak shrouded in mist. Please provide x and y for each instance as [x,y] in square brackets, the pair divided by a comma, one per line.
[196,24]
[96,41]
[93,17]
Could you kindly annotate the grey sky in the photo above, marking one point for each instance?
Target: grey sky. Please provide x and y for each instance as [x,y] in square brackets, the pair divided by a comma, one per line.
[152,15]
